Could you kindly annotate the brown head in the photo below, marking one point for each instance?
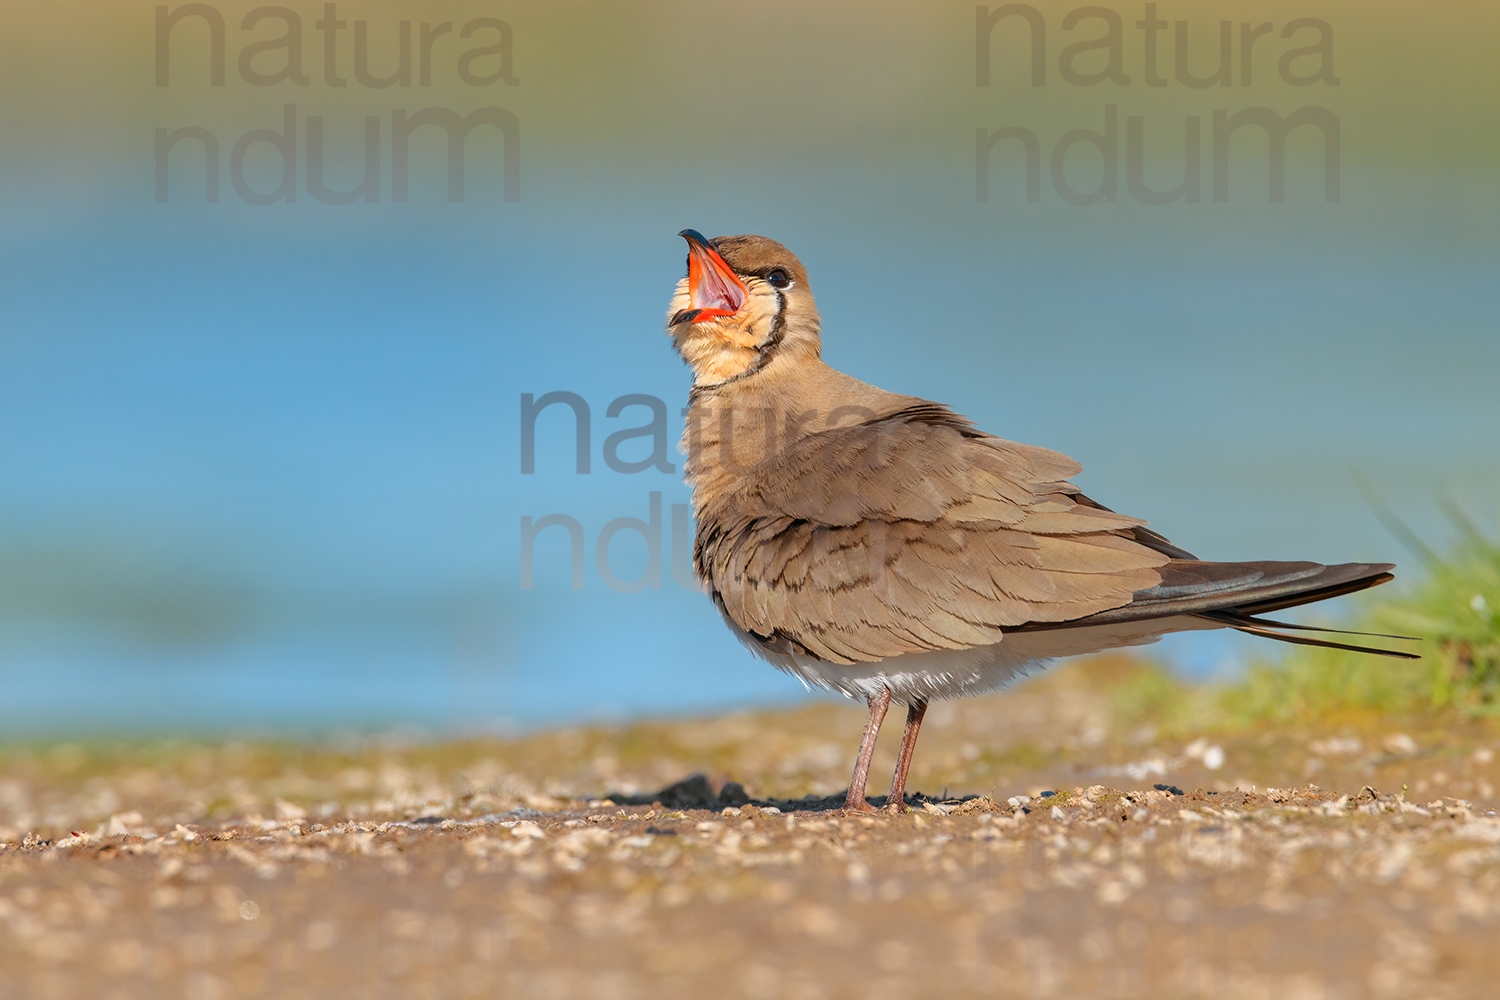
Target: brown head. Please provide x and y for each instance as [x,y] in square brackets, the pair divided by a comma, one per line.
[744,301]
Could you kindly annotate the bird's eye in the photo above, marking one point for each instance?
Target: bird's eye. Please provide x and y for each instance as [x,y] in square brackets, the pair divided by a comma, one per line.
[779,278]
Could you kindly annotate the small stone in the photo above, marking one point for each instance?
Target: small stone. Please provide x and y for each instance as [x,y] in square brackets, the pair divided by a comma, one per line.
[1112,893]
[1400,744]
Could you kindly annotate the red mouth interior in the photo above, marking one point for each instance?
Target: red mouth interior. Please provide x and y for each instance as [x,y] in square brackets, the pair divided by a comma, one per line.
[713,288]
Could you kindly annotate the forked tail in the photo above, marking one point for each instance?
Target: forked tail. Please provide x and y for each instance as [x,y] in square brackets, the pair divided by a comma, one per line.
[1237,594]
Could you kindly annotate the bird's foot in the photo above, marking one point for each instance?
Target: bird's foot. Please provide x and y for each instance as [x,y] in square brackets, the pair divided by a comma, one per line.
[860,806]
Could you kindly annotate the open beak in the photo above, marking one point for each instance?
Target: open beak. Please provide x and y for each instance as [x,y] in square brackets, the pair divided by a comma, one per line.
[713,288]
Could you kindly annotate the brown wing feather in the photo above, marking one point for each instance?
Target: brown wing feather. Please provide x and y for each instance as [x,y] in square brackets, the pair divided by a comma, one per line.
[913,532]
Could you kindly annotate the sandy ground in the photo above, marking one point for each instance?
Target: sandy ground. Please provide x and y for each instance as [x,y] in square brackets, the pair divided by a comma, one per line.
[1358,861]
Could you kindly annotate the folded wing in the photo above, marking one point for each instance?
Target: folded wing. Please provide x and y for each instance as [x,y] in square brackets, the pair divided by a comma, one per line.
[914,532]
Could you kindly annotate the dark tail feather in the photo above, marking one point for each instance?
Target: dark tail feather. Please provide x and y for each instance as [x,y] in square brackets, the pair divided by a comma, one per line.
[1191,587]
[1302,640]
[1251,625]
[1235,618]
[1234,594]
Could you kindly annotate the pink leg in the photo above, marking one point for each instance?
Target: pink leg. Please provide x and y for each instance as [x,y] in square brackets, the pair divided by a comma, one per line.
[896,801]
[856,800]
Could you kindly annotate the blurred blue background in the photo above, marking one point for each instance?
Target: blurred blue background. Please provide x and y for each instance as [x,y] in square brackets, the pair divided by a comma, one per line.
[260,465]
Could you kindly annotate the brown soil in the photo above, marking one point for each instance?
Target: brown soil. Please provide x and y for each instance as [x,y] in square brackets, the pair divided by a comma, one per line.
[500,868]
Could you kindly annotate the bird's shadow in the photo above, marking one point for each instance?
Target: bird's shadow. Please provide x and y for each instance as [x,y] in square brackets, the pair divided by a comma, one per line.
[696,792]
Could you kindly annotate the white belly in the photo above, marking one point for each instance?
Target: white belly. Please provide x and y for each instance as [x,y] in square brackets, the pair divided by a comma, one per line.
[957,673]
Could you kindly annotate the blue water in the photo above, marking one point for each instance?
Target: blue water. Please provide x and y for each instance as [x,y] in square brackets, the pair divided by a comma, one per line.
[261,467]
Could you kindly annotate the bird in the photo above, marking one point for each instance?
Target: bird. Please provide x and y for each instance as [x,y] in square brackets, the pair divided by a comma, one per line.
[881,546]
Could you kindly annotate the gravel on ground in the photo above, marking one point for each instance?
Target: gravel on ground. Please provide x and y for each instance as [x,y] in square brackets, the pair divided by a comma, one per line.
[1067,856]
